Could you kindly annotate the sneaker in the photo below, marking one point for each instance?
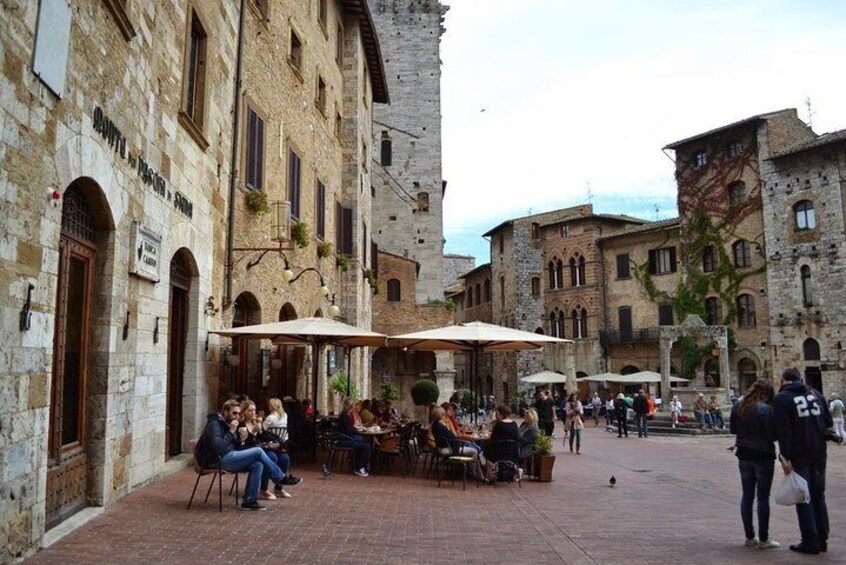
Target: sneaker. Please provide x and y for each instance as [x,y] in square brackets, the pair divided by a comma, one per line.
[267,495]
[802,548]
[291,480]
[283,494]
[752,542]
[768,544]
[254,505]
[362,472]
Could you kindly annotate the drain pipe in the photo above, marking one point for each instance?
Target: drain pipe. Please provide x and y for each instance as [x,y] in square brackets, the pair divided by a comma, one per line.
[233,169]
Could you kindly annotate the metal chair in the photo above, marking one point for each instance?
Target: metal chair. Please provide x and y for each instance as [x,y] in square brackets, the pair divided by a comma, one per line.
[450,452]
[217,474]
[342,451]
[506,454]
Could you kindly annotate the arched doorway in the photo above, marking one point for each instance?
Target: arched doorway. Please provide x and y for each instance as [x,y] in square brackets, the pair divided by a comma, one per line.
[292,357]
[813,374]
[629,370]
[747,373]
[84,231]
[181,272]
[247,376]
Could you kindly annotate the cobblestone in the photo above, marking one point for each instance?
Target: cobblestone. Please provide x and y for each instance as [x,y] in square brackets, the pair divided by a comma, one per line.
[676,501]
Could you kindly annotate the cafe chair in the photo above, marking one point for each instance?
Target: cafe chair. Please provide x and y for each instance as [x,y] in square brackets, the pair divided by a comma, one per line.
[506,454]
[340,453]
[398,447]
[451,458]
[217,474]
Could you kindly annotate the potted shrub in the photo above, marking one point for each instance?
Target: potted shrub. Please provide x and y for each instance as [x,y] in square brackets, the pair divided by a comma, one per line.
[324,249]
[424,393]
[544,459]
[388,392]
[257,202]
[299,233]
[338,388]
[372,280]
[342,260]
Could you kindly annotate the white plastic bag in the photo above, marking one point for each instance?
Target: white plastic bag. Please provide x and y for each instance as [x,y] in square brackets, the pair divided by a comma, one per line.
[792,490]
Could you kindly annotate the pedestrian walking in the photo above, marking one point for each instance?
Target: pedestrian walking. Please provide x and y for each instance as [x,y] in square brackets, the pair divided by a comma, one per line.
[577,423]
[801,419]
[836,408]
[596,404]
[641,409]
[609,410]
[620,411]
[753,424]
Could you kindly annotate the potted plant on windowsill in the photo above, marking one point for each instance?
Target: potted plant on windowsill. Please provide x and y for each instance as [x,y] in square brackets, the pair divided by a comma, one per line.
[372,280]
[257,202]
[342,260]
[299,233]
[324,249]
[544,459]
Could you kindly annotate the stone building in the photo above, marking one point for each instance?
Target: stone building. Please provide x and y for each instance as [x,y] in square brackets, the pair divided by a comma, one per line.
[803,194]
[474,303]
[407,179]
[305,154]
[113,163]
[456,265]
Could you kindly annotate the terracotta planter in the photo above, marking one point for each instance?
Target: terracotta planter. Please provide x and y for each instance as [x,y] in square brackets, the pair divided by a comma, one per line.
[543,467]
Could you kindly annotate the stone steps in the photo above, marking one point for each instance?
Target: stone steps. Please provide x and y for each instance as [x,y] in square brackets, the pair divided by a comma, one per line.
[660,426]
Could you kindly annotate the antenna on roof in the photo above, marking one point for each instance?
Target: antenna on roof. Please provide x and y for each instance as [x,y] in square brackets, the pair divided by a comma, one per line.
[811,112]
[657,210]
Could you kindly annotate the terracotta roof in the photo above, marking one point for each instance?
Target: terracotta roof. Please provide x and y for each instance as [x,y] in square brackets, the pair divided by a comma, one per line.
[646,228]
[372,51]
[558,215]
[821,141]
[747,121]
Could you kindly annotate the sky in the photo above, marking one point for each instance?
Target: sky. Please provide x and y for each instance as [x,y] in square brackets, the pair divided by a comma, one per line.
[552,103]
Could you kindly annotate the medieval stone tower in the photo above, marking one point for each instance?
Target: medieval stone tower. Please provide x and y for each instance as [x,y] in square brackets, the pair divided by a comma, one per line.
[409,190]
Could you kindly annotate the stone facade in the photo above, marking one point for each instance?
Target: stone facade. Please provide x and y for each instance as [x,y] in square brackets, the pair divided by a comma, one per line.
[808,315]
[455,266]
[316,113]
[106,141]
[408,184]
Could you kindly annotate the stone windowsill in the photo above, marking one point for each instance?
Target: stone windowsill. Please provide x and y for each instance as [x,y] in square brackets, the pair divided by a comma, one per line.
[186,122]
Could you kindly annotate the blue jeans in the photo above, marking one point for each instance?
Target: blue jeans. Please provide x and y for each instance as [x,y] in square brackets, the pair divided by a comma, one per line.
[282,461]
[361,451]
[717,419]
[609,417]
[256,462]
[575,435]
[642,425]
[705,418]
[756,478]
[813,517]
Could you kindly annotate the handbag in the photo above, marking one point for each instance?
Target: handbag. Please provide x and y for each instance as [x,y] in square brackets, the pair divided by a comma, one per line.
[793,490]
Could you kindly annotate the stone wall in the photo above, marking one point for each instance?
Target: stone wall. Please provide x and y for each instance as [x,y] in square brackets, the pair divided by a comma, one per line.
[455,266]
[408,206]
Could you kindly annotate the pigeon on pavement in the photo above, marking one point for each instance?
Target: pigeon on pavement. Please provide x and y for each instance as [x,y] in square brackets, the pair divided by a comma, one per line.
[612,481]
[326,472]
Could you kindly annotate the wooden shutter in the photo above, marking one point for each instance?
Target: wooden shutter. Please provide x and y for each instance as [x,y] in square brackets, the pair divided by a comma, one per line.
[347,231]
[672,251]
[386,153]
[653,261]
[374,257]
[623,266]
[339,228]
[625,317]
[249,174]
[294,184]
[364,245]
[320,212]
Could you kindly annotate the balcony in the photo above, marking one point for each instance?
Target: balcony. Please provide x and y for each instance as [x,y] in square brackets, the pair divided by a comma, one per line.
[642,335]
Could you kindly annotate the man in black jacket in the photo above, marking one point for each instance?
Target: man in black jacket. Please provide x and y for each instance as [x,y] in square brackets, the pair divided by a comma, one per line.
[219,443]
[641,408]
[801,419]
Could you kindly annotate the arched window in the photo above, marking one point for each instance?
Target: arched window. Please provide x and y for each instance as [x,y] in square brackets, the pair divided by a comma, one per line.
[574,272]
[577,324]
[394,290]
[387,152]
[807,292]
[553,325]
[747,372]
[811,349]
[742,256]
[551,268]
[583,323]
[746,311]
[478,297]
[714,311]
[469,297]
[487,290]
[804,213]
[561,324]
[737,192]
[712,369]
[559,274]
[582,272]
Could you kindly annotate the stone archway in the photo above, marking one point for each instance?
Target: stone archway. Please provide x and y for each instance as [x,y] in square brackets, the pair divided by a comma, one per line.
[693,326]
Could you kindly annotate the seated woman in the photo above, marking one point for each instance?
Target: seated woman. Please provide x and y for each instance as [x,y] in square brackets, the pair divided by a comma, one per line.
[351,438]
[716,412]
[450,444]
[504,429]
[355,413]
[247,434]
[276,416]
[527,433]
[367,417]
[388,413]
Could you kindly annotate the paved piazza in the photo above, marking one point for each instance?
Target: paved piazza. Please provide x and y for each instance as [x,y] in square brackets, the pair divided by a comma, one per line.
[676,501]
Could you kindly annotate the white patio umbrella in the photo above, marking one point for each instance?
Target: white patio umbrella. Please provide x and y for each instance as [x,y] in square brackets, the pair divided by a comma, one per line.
[646,377]
[477,337]
[544,377]
[600,378]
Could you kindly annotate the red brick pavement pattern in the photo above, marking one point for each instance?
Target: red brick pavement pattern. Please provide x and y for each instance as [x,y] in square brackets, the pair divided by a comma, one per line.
[676,501]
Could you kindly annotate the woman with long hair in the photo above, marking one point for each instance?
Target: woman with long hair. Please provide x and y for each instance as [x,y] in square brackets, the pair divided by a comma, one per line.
[752,423]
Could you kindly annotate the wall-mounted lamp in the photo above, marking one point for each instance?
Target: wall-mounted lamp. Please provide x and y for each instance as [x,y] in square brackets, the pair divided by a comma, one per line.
[26,315]
[211,310]
[276,363]
[233,360]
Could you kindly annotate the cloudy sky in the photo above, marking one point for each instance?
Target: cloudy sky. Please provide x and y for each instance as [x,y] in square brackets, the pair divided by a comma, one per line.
[547,101]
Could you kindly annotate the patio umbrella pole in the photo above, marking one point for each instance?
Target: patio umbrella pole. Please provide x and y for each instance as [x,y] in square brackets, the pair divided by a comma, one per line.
[478,384]
[349,369]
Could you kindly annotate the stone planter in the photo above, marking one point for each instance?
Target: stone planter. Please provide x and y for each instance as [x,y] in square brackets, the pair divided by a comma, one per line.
[543,467]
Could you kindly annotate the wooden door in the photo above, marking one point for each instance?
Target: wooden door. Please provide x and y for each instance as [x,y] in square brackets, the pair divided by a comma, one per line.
[176,368]
[67,460]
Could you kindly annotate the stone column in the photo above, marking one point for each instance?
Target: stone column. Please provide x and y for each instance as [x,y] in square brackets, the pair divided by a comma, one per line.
[570,366]
[666,349]
[725,369]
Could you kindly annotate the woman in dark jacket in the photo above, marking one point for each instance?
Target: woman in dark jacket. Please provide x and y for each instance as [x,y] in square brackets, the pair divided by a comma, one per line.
[351,438]
[752,422]
[450,444]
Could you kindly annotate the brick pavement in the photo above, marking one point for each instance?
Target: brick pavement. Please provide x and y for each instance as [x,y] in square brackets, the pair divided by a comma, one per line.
[676,501]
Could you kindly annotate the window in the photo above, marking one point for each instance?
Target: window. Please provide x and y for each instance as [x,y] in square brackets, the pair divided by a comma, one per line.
[552,275]
[624,315]
[487,290]
[386,155]
[700,159]
[339,124]
[734,148]
[579,319]
[535,230]
[709,259]
[559,273]
[478,294]
[807,293]
[535,286]
[565,230]
[394,294]
[364,242]
[254,173]
[713,311]
[295,52]
[553,325]
[737,193]
[294,184]
[665,315]
[320,95]
[742,256]
[501,242]
[662,260]
[469,297]
[804,213]
[582,271]
[322,13]
[811,349]
[623,271]
[502,291]
[195,72]
[52,43]
[320,211]
[746,311]
[422,201]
